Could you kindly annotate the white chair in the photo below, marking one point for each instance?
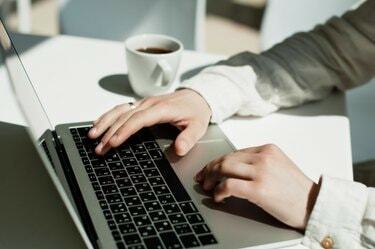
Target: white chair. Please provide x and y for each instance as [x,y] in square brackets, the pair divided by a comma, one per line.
[286,17]
[119,19]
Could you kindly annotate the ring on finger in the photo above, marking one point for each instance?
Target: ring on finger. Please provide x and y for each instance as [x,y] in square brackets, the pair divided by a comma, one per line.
[132,105]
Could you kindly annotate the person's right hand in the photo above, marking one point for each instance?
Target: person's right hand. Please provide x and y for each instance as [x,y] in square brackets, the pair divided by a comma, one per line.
[185,109]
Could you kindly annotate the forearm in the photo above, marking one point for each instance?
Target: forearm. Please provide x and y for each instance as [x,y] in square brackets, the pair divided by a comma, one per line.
[305,67]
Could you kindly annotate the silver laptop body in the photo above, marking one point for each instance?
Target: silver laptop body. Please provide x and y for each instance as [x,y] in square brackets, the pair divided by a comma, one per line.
[235,224]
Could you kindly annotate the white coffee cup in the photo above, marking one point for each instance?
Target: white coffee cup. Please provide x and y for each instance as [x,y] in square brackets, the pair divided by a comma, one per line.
[152,73]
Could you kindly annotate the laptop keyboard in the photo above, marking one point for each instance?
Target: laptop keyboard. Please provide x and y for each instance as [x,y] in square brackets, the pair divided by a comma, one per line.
[141,197]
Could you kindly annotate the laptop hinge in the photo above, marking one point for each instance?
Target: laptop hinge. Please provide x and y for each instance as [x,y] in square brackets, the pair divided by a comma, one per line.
[76,192]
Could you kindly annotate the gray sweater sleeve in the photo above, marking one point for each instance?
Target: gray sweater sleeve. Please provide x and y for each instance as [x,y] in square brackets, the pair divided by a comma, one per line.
[307,66]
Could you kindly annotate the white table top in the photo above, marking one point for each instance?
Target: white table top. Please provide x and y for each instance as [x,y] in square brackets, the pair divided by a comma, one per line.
[78,79]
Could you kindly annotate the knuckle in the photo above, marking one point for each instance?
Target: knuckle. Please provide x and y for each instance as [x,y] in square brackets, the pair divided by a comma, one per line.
[225,166]
[270,148]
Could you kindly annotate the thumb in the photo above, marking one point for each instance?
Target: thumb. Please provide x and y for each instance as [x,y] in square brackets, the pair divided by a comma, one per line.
[188,137]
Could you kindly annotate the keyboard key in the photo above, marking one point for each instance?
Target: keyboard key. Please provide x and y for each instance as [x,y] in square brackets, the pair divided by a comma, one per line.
[151,145]
[137,210]
[118,174]
[118,208]
[166,199]
[89,169]
[194,218]
[152,206]
[154,181]
[85,160]
[98,163]
[146,165]
[142,187]
[103,204]
[138,178]
[109,189]
[122,218]
[141,156]
[99,195]
[151,172]
[132,200]
[156,154]
[182,228]
[171,208]
[83,130]
[172,180]
[120,245]
[138,148]
[132,239]
[177,218]
[189,240]
[115,166]
[128,191]
[207,239]
[188,207]
[107,214]
[111,158]
[113,198]
[147,231]
[147,196]
[105,180]
[160,190]
[112,225]
[129,162]
[124,182]
[133,170]
[136,247]
[102,172]
[141,220]
[162,226]
[127,228]
[200,228]
[153,243]
[157,216]
[92,177]
[170,240]
[116,235]
[125,153]
[96,186]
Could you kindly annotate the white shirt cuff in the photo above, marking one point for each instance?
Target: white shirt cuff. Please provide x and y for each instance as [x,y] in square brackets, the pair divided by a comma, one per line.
[338,213]
[229,90]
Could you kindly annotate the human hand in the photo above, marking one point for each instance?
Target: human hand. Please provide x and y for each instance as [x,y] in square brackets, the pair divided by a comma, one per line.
[266,177]
[185,109]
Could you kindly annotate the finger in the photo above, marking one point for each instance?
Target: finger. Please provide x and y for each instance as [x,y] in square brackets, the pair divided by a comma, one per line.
[144,118]
[101,149]
[238,170]
[238,156]
[107,119]
[188,138]
[234,187]
[116,125]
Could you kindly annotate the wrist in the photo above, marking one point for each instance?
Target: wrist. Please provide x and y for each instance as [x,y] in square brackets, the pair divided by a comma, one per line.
[311,200]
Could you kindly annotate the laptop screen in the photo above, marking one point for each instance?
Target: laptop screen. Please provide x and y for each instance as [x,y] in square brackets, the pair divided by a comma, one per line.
[25,91]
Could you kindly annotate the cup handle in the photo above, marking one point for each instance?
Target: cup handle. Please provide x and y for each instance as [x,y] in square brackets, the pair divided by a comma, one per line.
[166,73]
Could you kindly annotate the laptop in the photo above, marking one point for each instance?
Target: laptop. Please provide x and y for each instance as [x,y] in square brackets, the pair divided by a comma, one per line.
[139,195]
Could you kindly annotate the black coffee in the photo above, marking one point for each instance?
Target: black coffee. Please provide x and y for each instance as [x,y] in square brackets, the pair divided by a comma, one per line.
[153,50]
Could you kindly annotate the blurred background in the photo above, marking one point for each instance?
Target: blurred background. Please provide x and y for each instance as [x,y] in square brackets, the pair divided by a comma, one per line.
[214,26]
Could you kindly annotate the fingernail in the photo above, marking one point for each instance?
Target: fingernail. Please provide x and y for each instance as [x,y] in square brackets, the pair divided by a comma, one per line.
[99,147]
[92,131]
[183,147]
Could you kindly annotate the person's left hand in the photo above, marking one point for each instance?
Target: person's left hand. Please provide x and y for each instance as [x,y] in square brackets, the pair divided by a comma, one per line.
[266,177]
